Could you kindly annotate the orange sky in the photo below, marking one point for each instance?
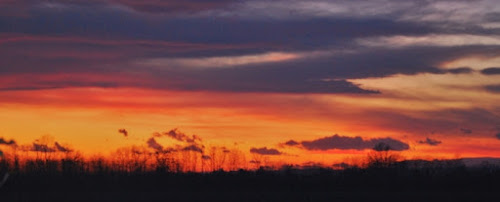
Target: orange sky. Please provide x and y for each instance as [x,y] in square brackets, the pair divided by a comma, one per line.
[88,120]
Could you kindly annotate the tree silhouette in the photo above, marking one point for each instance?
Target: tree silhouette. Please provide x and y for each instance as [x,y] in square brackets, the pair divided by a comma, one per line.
[382,156]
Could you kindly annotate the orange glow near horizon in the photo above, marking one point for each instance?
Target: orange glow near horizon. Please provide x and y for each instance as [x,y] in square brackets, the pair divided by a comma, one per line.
[88,120]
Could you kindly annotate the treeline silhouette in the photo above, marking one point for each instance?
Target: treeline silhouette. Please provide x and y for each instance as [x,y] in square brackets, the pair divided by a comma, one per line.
[135,172]
[383,171]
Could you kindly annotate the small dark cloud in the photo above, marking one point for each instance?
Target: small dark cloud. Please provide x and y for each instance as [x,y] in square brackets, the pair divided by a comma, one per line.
[497,136]
[179,136]
[10,142]
[358,143]
[265,151]
[61,148]
[154,145]
[430,141]
[460,70]
[493,88]
[192,143]
[42,148]
[194,148]
[47,147]
[491,71]
[465,130]
[205,157]
[254,162]
[123,131]
[292,143]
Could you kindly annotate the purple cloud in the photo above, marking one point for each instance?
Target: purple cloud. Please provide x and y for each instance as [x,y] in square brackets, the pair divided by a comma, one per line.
[265,151]
[345,142]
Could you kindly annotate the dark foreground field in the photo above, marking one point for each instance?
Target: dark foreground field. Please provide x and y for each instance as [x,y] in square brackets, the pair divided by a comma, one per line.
[253,196]
[396,183]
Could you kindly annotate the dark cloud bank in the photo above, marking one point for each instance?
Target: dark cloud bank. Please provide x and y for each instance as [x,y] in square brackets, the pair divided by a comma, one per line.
[345,142]
[265,151]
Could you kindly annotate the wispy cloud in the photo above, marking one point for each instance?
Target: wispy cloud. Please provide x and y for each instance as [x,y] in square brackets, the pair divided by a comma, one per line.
[429,141]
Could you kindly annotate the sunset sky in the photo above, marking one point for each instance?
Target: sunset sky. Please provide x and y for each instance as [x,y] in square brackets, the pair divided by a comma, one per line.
[294,80]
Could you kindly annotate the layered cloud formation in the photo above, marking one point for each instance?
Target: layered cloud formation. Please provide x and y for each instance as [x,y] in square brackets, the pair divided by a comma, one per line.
[244,46]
